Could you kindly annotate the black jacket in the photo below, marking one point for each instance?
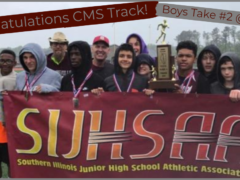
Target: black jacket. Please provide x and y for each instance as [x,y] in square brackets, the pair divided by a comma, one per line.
[139,82]
[104,72]
[218,87]
[80,72]
[204,82]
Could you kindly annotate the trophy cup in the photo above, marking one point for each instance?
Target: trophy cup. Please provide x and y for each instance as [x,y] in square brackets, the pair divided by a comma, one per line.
[165,67]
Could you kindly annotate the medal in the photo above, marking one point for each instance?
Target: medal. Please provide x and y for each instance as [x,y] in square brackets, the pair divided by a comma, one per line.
[76,92]
[129,86]
[75,102]
[29,86]
[186,81]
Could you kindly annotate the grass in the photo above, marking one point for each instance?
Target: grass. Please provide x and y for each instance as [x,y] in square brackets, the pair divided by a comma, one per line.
[4,170]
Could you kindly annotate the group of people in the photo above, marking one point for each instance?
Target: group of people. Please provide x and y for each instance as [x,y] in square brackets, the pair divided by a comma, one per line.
[79,67]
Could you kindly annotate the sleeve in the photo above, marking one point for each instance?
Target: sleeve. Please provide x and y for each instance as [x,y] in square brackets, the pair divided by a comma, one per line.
[53,87]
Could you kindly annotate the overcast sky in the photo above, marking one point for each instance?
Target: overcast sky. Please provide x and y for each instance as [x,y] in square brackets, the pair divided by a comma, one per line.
[122,29]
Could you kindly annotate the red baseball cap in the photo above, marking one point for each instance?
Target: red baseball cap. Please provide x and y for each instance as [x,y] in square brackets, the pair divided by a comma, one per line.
[101,39]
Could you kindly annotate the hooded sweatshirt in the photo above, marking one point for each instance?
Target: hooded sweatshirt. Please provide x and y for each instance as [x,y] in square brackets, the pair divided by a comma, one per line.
[144,59]
[143,45]
[139,82]
[48,79]
[218,87]
[80,73]
[204,82]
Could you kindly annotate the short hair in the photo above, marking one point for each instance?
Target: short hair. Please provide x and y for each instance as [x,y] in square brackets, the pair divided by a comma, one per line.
[126,47]
[8,51]
[187,45]
[224,60]
[123,47]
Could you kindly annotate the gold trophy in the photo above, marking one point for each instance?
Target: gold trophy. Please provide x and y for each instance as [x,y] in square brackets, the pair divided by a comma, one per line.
[173,72]
[154,73]
[163,33]
[165,68]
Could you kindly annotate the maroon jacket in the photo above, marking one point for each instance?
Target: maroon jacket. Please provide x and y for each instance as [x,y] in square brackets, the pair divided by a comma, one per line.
[63,68]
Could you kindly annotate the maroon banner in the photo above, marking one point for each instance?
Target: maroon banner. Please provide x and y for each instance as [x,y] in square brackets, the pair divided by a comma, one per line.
[78,17]
[123,136]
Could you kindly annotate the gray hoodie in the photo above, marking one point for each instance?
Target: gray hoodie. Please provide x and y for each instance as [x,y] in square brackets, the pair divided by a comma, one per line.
[50,80]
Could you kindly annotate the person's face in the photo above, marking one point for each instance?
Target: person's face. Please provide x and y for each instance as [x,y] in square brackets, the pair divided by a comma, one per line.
[227,71]
[208,62]
[100,51]
[58,48]
[7,62]
[30,61]
[185,59]
[125,59]
[75,57]
[133,41]
[144,69]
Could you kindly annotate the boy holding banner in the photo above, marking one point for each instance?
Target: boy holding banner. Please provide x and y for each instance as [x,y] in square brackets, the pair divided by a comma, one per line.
[124,78]
[36,75]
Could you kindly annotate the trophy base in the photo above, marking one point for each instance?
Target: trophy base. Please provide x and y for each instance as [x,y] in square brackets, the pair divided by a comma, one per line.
[163,84]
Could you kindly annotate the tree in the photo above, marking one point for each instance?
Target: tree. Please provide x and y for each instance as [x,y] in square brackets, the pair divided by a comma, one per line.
[233,33]
[226,37]
[206,37]
[189,35]
[216,37]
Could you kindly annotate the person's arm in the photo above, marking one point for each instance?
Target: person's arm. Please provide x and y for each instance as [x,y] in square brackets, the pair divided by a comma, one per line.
[47,88]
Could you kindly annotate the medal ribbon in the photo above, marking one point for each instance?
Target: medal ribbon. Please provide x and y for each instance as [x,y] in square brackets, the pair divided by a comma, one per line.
[189,78]
[76,92]
[29,86]
[129,86]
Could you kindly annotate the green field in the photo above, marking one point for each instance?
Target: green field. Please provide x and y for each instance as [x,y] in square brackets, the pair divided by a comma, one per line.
[4,170]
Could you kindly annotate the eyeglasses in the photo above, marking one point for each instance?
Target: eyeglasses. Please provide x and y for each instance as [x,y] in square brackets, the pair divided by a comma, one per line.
[6,61]
[58,44]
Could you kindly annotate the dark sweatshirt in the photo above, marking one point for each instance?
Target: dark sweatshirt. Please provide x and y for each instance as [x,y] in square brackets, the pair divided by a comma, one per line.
[139,82]
[204,82]
[218,87]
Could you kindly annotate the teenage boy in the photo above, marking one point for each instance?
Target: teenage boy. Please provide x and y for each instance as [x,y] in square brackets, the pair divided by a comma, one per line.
[228,76]
[124,78]
[186,75]
[7,83]
[36,75]
[207,67]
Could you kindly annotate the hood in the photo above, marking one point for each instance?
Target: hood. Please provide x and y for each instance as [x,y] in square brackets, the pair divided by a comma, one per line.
[85,52]
[38,53]
[216,52]
[144,48]
[117,67]
[236,64]
[144,58]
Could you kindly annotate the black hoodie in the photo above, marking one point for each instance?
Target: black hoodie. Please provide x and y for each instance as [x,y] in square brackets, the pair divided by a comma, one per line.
[144,59]
[218,87]
[139,82]
[204,82]
[80,72]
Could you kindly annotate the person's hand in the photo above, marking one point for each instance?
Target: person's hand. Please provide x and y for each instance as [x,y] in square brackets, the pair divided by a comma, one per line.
[38,89]
[178,89]
[234,95]
[97,91]
[4,92]
[148,92]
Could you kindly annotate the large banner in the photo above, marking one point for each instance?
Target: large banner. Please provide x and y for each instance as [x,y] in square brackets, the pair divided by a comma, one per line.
[123,135]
